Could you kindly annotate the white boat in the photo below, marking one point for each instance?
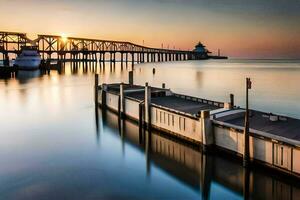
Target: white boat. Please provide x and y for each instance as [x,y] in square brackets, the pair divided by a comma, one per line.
[29,59]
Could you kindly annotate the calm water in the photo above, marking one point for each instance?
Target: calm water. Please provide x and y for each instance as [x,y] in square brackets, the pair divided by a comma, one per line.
[56,145]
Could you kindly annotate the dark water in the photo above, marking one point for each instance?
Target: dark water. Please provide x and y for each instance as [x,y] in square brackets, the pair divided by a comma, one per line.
[56,145]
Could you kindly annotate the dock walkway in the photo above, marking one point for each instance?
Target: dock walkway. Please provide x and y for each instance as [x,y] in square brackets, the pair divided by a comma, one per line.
[260,122]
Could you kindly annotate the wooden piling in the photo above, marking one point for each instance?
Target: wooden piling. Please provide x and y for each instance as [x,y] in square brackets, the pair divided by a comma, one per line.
[206,137]
[147,105]
[246,156]
[122,101]
[232,100]
[96,88]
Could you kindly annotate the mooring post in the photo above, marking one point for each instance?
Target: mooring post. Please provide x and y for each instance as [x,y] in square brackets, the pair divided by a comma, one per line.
[246,156]
[122,101]
[232,100]
[206,124]
[96,88]
[147,105]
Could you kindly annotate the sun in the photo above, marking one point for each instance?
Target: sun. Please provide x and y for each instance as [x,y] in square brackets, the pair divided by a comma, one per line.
[64,38]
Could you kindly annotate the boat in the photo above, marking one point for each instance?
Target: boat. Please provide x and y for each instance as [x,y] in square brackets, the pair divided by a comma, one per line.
[29,59]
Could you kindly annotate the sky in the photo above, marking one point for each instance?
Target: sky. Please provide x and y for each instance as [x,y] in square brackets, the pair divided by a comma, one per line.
[239,28]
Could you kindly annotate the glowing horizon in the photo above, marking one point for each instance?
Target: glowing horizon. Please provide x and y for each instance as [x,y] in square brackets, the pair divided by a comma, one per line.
[240,29]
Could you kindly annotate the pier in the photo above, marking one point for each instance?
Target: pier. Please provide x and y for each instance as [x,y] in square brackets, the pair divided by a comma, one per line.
[273,140]
[53,47]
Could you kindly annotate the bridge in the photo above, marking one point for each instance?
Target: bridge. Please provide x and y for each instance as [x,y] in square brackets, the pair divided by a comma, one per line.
[84,49]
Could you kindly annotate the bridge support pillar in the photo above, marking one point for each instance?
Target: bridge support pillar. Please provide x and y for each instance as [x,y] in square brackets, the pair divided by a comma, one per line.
[132,58]
[112,57]
[138,57]
[122,60]
[143,57]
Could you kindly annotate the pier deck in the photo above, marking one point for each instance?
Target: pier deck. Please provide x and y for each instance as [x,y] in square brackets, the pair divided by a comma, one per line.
[176,102]
[183,105]
[273,140]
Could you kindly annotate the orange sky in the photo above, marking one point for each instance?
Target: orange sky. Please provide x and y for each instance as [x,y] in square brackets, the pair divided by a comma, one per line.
[240,29]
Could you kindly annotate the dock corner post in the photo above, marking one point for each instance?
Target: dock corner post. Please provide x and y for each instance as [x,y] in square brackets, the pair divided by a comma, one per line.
[246,156]
[122,101]
[147,105]
[96,88]
[207,130]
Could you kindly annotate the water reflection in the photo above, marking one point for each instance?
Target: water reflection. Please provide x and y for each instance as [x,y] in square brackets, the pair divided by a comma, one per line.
[275,86]
[207,174]
[56,145]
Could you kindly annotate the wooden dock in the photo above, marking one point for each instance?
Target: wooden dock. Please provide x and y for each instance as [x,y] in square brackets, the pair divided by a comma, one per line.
[274,140]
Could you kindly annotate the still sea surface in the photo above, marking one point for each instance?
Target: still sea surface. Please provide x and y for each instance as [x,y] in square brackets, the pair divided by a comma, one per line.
[54,143]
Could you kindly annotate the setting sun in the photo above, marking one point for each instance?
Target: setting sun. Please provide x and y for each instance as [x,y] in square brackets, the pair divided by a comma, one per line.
[64,38]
